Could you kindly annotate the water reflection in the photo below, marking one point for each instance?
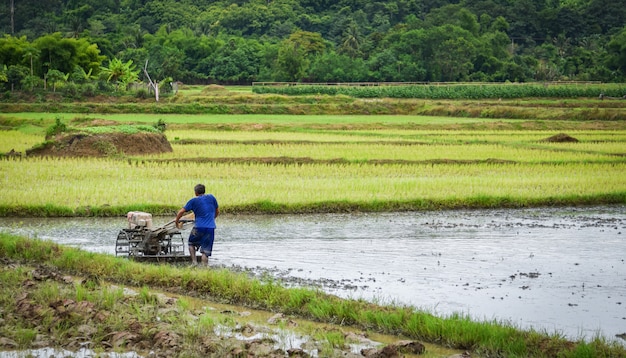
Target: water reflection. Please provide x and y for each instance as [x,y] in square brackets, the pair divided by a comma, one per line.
[556,270]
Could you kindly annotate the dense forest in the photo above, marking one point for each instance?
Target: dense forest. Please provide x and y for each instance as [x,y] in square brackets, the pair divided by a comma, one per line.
[45,43]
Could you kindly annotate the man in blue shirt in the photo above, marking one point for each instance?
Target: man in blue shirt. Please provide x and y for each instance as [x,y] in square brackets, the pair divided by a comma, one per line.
[202,235]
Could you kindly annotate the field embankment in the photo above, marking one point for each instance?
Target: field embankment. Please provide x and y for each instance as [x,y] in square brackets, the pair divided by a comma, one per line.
[88,312]
[520,101]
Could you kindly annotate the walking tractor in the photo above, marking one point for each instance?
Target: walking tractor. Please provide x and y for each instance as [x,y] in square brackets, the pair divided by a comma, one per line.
[143,242]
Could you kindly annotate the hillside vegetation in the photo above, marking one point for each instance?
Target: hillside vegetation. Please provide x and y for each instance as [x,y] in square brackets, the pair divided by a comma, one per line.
[89,47]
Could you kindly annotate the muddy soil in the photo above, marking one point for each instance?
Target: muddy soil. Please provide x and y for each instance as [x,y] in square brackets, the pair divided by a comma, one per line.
[68,326]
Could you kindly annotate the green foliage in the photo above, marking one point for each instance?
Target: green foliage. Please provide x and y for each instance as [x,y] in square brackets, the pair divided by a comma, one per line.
[55,76]
[57,128]
[121,73]
[299,40]
[3,74]
[123,128]
[160,125]
[617,52]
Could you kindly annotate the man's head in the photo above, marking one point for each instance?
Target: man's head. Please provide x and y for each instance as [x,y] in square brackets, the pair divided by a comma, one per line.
[199,189]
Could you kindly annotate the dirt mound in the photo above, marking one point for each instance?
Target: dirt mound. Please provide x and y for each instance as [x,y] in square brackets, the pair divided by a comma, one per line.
[560,138]
[103,145]
[214,88]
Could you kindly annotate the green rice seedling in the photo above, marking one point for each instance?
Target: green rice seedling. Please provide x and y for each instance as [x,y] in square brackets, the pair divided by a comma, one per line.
[245,184]
[25,336]
[228,322]
[396,152]
[198,329]
[18,141]
[206,322]
[110,297]
[147,297]
[47,291]
[596,347]
[298,298]
[321,310]
[330,340]
[11,277]
[183,303]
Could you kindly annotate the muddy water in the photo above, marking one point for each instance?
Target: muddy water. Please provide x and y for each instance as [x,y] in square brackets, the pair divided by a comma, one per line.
[558,270]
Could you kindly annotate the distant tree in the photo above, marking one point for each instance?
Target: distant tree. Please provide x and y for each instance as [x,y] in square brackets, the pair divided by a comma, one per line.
[352,41]
[334,67]
[57,53]
[454,15]
[295,54]
[292,63]
[311,43]
[604,16]
[12,50]
[237,61]
[29,83]
[384,66]
[31,54]
[54,77]
[79,75]
[452,51]
[166,51]
[616,60]
[16,74]
[181,37]
[3,74]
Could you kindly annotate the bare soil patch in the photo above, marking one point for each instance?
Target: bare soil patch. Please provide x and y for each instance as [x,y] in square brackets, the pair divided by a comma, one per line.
[103,145]
[561,138]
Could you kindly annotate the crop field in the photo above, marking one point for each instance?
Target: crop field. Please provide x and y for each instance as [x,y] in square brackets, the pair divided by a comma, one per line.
[451,90]
[313,164]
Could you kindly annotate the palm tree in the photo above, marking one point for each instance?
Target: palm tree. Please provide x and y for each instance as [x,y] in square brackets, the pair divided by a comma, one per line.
[352,40]
[31,54]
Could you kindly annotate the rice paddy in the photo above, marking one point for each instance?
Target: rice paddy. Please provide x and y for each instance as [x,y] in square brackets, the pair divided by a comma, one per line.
[323,163]
[305,163]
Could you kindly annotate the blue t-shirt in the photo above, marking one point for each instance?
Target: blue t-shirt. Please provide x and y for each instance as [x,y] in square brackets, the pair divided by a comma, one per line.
[203,207]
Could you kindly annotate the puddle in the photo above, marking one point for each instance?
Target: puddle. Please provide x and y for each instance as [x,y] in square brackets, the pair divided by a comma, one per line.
[559,270]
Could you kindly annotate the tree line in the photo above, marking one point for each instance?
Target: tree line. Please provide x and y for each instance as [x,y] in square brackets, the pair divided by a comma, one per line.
[105,44]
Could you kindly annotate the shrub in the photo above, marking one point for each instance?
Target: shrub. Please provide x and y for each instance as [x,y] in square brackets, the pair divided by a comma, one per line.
[71,90]
[58,127]
[88,90]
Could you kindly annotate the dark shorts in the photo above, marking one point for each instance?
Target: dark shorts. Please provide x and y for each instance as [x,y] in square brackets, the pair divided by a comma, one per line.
[202,238]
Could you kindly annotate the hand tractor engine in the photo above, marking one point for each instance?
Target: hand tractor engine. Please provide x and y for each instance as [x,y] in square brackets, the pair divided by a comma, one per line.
[143,242]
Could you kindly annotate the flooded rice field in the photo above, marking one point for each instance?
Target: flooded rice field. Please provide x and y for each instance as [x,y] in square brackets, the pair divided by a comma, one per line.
[559,270]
